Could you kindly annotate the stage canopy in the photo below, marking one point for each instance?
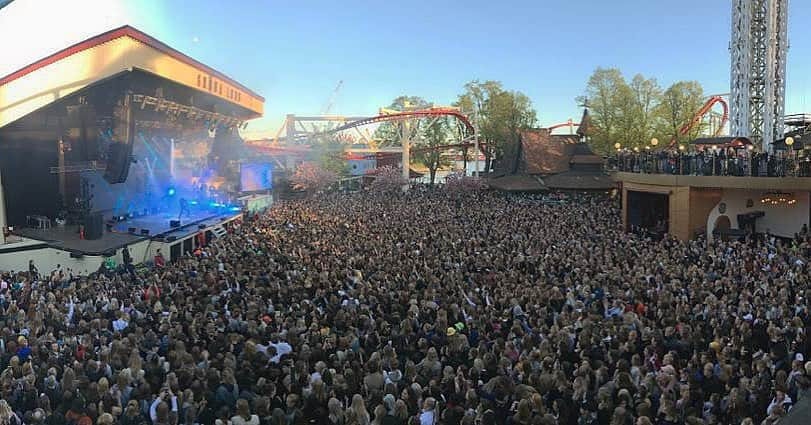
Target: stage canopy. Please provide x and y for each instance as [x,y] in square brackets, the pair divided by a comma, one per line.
[107,55]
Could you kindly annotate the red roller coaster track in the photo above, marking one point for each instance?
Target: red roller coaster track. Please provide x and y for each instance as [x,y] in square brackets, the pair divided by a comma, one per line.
[399,116]
[402,116]
[700,114]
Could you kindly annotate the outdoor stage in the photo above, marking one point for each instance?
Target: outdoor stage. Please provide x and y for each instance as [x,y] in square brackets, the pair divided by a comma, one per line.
[67,238]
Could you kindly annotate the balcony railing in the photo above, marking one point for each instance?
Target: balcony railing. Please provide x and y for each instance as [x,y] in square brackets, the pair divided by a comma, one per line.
[742,163]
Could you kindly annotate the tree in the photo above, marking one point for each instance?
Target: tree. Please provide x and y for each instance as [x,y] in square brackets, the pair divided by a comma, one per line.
[499,114]
[646,97]
[680,102]
[388,133]
[331,156]
[606,91]
[632,114]
[621,113]
[436,134]
[311,176]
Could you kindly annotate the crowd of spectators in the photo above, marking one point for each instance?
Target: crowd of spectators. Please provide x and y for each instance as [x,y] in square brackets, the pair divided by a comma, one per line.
[732,161]
[420,308]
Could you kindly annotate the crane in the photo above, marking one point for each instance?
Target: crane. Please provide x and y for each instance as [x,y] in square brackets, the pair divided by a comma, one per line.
[331,101]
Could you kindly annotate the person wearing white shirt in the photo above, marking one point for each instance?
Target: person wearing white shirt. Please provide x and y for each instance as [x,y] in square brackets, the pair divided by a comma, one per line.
[428,415]
[281,348]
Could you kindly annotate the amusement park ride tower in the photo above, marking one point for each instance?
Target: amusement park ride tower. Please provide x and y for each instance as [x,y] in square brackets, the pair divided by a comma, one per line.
[758,48]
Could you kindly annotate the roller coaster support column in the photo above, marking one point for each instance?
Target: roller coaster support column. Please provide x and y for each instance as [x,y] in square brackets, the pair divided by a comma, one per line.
[290,123]
[475,147]
[406,136]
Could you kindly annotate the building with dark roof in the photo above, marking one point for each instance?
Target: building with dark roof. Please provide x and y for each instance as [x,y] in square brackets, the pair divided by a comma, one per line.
[541,161]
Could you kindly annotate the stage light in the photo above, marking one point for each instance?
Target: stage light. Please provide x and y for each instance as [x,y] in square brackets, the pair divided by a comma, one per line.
[171,191]
[236,208]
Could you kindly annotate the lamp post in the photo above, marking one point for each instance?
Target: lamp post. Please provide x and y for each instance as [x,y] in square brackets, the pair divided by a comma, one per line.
[790,144]
[653,142]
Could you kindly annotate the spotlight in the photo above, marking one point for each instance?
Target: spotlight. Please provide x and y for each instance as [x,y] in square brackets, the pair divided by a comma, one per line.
[171,191]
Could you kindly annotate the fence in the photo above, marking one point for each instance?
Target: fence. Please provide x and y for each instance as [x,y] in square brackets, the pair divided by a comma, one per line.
[739,162]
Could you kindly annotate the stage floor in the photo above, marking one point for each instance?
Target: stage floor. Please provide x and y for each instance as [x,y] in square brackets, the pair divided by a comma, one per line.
[67,237]
[158,224]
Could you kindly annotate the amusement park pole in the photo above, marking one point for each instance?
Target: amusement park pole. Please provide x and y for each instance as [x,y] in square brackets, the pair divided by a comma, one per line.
[476,144]
[406,153]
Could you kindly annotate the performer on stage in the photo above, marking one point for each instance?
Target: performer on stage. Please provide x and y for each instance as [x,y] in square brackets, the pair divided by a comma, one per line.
[184,207]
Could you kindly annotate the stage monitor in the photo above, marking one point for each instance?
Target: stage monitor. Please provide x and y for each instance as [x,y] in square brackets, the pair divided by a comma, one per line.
[255,176]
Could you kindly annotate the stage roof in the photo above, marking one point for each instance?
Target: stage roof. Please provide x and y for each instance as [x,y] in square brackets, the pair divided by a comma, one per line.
[106,55]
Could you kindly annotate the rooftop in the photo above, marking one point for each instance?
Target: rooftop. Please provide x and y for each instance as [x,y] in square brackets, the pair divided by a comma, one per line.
[104,56]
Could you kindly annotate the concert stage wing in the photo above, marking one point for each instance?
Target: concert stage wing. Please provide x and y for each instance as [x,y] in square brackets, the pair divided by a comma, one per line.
[67,238]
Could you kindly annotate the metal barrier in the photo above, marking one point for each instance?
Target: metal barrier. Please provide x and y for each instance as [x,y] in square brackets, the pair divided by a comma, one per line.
[742,163]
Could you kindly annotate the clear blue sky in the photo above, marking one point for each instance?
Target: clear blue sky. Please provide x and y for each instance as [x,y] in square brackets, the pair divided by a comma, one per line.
[294,53]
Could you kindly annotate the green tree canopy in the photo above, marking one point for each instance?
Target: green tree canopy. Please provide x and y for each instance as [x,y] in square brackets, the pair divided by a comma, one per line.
[388,133]
[633,113]
[679,104]
[498,114]
[436,134]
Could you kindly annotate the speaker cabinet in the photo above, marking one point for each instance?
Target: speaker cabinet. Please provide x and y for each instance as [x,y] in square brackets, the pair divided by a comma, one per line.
[118,163]
[94,226]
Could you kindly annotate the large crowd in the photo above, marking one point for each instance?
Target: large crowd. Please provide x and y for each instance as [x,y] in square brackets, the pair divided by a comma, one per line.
[421,308]
[724,161]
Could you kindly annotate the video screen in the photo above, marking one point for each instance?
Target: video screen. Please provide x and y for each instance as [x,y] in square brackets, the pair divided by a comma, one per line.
[256,176]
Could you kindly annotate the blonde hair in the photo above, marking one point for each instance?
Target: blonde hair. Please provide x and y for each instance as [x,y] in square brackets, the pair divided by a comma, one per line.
[358,410]
[104,385]
[243,409]
[336,414]
[6,413]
